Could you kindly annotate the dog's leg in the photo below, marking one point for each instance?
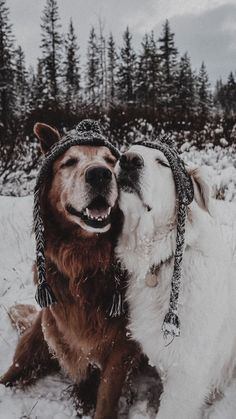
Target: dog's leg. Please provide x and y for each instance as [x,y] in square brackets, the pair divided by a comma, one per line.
[184,394]
[119,365]
[84,393]
[32,359]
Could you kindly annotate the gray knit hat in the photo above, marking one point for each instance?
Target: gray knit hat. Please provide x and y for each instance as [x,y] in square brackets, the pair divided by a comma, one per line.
[88,132]
[185,194]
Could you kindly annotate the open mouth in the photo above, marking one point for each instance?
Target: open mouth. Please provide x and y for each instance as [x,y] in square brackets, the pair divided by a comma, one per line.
[97,214]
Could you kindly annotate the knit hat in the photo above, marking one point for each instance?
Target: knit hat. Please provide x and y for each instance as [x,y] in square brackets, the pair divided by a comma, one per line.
[88,132]
[185,194]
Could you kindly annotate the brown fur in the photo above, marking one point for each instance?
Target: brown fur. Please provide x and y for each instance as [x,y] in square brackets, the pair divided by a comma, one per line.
[77,329]
[32,359]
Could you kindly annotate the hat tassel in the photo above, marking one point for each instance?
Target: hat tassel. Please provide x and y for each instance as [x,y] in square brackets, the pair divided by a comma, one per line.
[171,324]
[116,309]
[44,295]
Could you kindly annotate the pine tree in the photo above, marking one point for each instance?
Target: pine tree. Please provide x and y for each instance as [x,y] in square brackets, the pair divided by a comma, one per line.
[225,95]
[7,94]
[220,100]
[51,44]
[156,74]
[142,78]
[21,83]
[111,70]
[230,94]
[39,87]
[102,69]
[149,78]
[168,54]
[127,70]
[185,83]
[204,93]
[219,94]
[71,71]
[92,70]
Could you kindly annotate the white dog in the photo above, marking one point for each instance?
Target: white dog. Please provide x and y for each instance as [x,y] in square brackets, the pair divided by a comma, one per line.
[202,359]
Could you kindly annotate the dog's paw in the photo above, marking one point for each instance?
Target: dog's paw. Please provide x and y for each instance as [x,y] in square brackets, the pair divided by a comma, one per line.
[22,316]
[17,377]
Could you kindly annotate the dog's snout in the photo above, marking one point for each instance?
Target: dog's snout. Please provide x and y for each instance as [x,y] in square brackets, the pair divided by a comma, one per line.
[131,161]
[98,176]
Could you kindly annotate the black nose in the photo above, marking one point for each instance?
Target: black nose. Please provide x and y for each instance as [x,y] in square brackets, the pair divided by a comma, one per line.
[98,176]
[131,161]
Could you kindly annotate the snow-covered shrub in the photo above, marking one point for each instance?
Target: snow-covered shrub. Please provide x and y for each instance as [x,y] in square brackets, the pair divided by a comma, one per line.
[208,147]
[220,164]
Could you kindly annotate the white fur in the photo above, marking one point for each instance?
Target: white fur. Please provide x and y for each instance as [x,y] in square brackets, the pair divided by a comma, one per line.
[203,358]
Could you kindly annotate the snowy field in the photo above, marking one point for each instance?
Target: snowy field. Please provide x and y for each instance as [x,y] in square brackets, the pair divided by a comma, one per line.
[47,399]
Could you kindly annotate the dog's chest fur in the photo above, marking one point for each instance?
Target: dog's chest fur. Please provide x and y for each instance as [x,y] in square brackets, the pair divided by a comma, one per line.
[81,275]
[205,302]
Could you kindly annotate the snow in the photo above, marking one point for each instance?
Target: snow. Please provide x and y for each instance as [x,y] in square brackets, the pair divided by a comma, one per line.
[47,399]
[223,142]
[220,166]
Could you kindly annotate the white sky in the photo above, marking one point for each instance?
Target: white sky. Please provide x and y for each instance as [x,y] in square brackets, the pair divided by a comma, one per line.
[205,28]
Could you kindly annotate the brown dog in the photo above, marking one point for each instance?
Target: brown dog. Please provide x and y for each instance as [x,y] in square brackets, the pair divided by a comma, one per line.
[82,222]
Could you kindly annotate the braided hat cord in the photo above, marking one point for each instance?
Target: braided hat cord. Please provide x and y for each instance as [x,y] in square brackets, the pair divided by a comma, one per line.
[185,194]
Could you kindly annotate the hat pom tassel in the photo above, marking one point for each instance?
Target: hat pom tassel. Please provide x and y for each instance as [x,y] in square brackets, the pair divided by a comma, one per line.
[116,309]
[171,325]
[44,295]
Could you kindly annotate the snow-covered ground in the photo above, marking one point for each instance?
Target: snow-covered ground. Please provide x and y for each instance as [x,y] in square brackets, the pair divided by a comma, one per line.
[47,399]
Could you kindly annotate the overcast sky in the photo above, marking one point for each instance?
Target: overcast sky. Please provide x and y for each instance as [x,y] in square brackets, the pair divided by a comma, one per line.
[204,28]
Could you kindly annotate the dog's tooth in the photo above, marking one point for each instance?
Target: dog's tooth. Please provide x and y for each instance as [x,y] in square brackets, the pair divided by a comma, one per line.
[97,217]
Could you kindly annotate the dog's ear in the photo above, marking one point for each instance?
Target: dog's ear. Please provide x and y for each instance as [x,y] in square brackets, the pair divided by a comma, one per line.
[202,189]
[46,135]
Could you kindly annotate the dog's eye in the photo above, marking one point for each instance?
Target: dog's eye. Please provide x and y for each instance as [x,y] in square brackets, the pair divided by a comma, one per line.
[110,160]
[70,162]
[162,163]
